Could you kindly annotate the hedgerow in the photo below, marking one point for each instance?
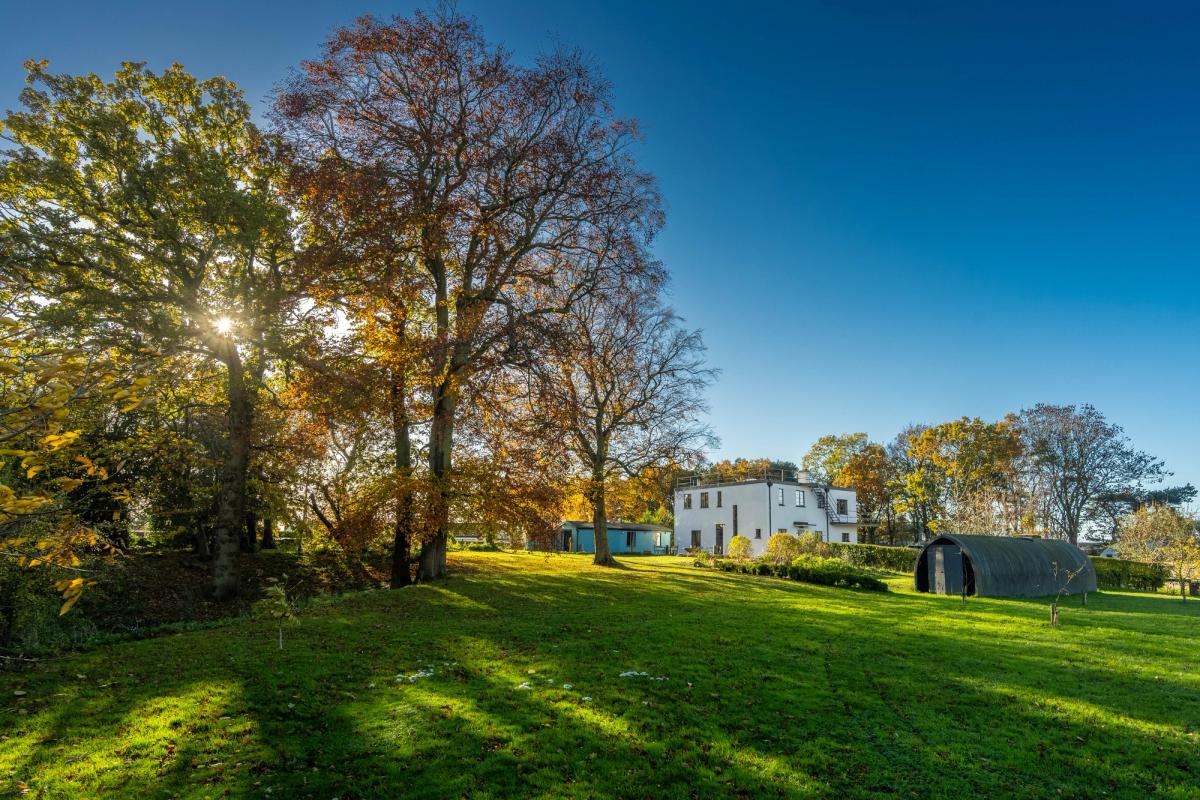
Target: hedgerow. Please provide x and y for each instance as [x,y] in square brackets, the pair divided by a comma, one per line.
[809,569]
[893,559]
[1116,573]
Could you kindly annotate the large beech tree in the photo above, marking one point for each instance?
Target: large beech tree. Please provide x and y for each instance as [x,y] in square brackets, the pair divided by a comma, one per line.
[622,385]
[145,208]
[504,178]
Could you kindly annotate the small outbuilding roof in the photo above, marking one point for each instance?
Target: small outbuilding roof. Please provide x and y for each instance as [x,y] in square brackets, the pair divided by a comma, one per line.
[618,525]
[1015,566]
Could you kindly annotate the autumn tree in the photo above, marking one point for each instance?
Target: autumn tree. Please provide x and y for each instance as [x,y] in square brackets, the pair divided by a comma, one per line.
[965,465]
[623,384]
[500,174]
[873,474]
[829,455]
[914,490]
[1077,458]
[50,474]
[1160,534]
[738,469]
[145,209]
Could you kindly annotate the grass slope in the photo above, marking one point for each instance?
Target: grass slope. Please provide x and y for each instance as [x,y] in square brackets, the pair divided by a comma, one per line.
[774,689]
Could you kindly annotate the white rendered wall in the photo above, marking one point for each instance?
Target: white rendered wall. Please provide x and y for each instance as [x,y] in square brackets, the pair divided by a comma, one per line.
[757,512]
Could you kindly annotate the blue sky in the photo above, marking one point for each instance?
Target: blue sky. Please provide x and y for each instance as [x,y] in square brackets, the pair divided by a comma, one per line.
[954,208]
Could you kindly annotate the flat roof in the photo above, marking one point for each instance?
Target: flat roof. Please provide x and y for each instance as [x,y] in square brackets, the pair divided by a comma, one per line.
[618,525]
[717,484]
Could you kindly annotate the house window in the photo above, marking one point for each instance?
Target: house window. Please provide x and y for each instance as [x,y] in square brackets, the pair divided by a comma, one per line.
[845,536]
[718,498]
[687,500]
[781,497]
[782,530]
[630,539]
[758,533]
[696,540]
[843,506]
[704,499]
[735,524]
[799,498]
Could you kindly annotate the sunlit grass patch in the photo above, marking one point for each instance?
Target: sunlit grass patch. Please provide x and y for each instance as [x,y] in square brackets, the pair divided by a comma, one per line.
[534,675]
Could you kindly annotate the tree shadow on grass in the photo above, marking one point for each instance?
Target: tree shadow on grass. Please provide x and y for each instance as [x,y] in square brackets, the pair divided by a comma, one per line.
[772,688]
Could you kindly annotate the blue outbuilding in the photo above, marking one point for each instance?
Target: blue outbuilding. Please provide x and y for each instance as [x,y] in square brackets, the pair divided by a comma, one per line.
[623,537]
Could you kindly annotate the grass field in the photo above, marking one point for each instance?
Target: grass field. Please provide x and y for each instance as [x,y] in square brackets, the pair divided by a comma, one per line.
[772,689]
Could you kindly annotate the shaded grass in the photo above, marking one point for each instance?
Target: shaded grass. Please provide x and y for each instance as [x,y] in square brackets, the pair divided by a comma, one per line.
[773,689]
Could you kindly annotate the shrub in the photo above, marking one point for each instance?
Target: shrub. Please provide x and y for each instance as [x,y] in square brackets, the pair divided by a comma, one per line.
[810,544]
[833,572]
[782,548]
[703,558]
[739,548]
[1116,573]
[894,559]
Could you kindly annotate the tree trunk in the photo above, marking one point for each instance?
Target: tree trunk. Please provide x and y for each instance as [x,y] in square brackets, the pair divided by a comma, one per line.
[268,533]
[250,535]
[401,535]
[232,498]
[432,560]
[200,533]
[604,556]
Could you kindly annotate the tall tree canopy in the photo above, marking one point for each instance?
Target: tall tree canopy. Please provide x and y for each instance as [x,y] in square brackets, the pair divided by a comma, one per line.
[623,386]
[512,185]
[1078,457]
[145,211]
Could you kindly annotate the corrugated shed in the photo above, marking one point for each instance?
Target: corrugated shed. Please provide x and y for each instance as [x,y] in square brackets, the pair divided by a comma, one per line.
[1008,566]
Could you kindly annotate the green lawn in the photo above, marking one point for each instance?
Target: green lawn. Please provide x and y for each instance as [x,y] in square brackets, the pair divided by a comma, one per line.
[773,689]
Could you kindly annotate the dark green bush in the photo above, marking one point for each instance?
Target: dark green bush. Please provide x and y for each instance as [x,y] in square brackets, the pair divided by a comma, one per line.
[807,569]
[833,572]
[893,559]
[1115,573]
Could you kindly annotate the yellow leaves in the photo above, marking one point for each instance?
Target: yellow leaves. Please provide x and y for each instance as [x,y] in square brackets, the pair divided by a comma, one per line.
[69,484]
[92,469]
[56,441]
[71,590]
[34,470]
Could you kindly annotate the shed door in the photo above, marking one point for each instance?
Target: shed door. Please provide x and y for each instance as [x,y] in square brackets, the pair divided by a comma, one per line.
[945,570]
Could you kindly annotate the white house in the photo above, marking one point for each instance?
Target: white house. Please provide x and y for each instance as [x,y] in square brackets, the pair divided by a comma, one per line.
[710,511]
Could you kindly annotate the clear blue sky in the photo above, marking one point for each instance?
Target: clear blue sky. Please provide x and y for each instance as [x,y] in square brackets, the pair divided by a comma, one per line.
[955,208]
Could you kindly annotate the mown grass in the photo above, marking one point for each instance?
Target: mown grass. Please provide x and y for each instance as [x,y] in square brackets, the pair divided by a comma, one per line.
[774,689]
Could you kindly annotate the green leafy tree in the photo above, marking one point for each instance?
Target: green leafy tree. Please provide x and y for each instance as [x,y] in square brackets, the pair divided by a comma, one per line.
[146,210]
[829,455]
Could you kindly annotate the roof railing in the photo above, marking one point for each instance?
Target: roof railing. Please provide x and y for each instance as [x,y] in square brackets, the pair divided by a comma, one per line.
[727,479]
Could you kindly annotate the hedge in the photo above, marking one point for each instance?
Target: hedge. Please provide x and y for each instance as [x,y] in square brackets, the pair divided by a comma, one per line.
[874,556]
[1116,573]
[810,569]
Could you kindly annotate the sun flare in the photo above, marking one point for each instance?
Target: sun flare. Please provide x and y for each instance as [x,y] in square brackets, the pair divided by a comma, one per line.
[224,326]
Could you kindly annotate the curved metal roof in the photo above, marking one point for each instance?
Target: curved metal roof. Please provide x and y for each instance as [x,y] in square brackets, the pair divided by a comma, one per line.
[1017,566]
